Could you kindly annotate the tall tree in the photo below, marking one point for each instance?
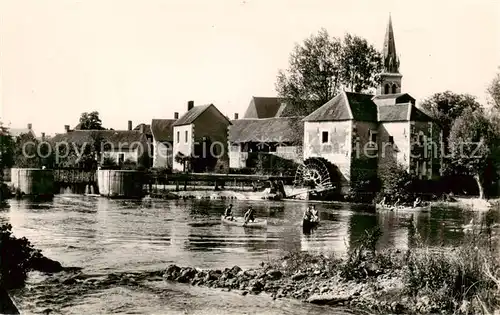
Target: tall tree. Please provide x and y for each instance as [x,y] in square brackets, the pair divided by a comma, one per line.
[494,91]
[360,64]
[90,121]
[447,106]
[322,65]
[473,145]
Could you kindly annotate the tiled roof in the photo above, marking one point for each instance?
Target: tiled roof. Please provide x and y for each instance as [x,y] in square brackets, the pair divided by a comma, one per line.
[335,109]
[147,128]
[393,99]
[278,129]
[16,132]
[114,137]
[401,112]
[362,106]
[346,106]
[162,129]
[263,107]
[193,113]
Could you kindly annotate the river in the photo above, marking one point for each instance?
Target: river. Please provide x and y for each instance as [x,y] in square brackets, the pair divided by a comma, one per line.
[108,237]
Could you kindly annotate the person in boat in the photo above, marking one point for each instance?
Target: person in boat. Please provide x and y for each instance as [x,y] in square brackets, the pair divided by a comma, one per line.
[228,214]
[383,202]
[249,215]
[315,214]
[397,203]
[308,214]
[417,202]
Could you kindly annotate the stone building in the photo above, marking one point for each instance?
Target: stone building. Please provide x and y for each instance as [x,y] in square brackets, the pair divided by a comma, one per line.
[356,131]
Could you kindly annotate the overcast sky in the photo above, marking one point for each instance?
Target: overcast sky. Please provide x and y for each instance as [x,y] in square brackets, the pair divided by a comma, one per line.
[143,59]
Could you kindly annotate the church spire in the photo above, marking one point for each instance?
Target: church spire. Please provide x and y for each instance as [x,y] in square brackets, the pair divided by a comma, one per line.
[391,60]
[390,82]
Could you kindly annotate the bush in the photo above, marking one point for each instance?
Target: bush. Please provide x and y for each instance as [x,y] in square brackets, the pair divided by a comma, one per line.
[15,258]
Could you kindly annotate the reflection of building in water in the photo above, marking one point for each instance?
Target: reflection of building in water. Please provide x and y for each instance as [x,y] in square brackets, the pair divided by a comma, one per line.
[358,224]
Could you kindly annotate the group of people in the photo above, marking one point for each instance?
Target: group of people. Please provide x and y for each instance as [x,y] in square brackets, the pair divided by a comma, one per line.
[417,203]
[311,214]
[249,215]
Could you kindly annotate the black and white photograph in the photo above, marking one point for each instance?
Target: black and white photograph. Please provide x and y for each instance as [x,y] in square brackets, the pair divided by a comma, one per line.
[250,157]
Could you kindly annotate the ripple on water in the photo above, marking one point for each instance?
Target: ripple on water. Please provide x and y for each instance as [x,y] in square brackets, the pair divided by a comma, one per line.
[107,236]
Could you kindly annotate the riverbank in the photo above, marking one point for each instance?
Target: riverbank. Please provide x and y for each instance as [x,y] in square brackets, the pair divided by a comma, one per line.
[463,280]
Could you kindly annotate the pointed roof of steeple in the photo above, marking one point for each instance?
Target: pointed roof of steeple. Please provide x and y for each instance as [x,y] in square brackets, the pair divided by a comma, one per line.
[391,60]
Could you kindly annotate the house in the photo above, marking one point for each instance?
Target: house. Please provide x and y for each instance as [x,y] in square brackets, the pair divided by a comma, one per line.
[118,145]
[279,136]
[201,133]
[162,131]
[17,132]
[357,133]
[264,107]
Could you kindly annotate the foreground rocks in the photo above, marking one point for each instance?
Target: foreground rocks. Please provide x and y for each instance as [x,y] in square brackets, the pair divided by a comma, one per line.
[319,280]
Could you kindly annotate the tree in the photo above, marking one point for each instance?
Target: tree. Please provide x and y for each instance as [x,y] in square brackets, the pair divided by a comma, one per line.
[360,64]
[322,65]
[446,107]
[6,149]
[494,91]
[90,121]
[473,146]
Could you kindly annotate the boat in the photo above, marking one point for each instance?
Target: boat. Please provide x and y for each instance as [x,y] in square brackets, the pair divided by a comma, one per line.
[404,208]
[239,221]
[308,225]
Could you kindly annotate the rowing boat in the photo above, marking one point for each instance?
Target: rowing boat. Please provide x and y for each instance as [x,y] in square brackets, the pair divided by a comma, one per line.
[239,221]
[403,208]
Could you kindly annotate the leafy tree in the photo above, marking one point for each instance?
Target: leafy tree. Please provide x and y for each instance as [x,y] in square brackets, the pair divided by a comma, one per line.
[395,181]
[322,65]
[447,106]
[360,64]
[6,149]
[473,146]
[90,121]
[494,91]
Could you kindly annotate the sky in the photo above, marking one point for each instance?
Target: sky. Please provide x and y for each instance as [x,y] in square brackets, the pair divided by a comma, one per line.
[143,59]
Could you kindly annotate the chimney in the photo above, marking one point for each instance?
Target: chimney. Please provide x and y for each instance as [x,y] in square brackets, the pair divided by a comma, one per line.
[130,125]
[176,115]
[29,126]
[190,105]
[235,116]
[43,136]
[141,128]
[66,128]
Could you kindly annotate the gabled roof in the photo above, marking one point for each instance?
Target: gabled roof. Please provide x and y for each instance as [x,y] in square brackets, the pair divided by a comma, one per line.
[277,129]
[162,129]
[401,112]
[195,112]
[16,132]
[346,106]
[392,99]
[147,128]
[117,138]
[263,107]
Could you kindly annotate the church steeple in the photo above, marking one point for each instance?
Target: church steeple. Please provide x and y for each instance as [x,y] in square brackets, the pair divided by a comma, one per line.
[391,60]
[390,78]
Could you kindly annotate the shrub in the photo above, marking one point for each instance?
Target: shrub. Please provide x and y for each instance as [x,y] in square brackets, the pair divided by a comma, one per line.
[15,258]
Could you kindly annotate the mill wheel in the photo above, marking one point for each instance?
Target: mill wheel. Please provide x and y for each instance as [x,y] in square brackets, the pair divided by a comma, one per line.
[314,172]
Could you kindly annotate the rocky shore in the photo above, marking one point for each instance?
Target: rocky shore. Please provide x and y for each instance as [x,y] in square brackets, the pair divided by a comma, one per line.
[375,283]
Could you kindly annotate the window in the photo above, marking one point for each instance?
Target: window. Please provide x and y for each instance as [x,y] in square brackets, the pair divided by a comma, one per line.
[386,89]
[178,136]
[391,139]
[324,137]
[186,136]
[421,139]
[121,158]
[394,89]
[373,136]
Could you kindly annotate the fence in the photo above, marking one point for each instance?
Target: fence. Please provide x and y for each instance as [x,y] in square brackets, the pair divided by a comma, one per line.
[75,176]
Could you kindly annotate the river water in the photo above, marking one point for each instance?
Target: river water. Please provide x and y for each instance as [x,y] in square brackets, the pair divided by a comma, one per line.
[112,237]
